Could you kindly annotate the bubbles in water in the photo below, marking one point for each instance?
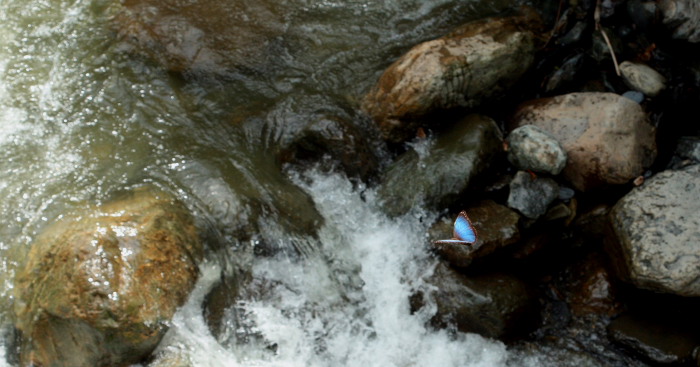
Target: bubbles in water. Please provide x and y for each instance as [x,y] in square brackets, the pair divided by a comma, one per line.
[348,304]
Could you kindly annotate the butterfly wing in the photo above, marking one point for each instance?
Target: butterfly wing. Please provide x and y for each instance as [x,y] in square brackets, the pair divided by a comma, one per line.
[464,230]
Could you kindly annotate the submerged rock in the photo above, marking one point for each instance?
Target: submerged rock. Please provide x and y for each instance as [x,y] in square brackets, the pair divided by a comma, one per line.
[495,306]
[642,78]
[656,336]
[477,61]
[531,195]
[334,141]
[204,36]
[531,148]
[440,174]
[496,225]
[99,288]
[657,228]
[607,137]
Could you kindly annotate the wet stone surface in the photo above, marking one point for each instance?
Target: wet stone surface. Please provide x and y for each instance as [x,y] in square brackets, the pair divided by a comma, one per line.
[496,226]
[476,61]
[440,174]
[493,305]
[100,288]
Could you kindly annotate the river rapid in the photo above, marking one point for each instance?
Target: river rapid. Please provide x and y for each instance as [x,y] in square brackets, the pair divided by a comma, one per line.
[82,119]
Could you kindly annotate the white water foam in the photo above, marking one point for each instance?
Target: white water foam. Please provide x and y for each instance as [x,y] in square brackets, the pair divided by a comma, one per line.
[349,306]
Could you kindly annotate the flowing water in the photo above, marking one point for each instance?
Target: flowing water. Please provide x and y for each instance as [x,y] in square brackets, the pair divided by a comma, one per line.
[82,119]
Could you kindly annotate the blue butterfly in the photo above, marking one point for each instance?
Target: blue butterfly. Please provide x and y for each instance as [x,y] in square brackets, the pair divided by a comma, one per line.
[464,233]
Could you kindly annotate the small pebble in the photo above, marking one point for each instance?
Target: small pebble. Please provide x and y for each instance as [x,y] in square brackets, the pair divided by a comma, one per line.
[637,97]
[532,148]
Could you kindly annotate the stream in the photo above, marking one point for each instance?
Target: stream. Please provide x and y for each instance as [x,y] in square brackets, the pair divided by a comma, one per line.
[82,119]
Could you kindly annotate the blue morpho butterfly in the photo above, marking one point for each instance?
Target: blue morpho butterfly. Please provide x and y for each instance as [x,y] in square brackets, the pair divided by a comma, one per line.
[464,233]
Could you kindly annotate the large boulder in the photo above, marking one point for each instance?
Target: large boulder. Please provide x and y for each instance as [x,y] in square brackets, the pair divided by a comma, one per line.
[607,137]
[657,230]
[439,174]
[99,288]
[475,62]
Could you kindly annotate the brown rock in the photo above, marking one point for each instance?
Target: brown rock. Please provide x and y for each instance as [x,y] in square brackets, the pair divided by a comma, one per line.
[592,289]
[99,288]
[607,137]
[206,35]
[496,225]
[477,61]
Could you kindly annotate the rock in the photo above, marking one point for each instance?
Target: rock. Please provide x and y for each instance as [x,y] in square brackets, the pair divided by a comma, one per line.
[333,142]
[634,96]
[607,137]
[171,358]
[642,78]
[496,225]
[531,148]
[99,288]
[436,177]
[477,61]
[655,337]
[203,36]
[530,195]
[592,290]
[683,17]
[689,147]
[495,305]
[565,73]
[657,229]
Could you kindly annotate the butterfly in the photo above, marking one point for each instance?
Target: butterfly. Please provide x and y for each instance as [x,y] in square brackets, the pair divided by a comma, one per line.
[464,233]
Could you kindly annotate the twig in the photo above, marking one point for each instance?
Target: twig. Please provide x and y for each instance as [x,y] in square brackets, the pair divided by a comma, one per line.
[596,16]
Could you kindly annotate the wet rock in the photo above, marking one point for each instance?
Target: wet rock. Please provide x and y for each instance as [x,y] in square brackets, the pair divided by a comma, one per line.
[438,175]
[496,225]
[333,142]
[495,306]
[657,230]
[477,61]
[607,137]
[171,358]
[204,36]
[99,288]
[683,17]
[531,148]
[689,147]
[531,195]
[642,78]
[565,73]
[656,337]
[592,290]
